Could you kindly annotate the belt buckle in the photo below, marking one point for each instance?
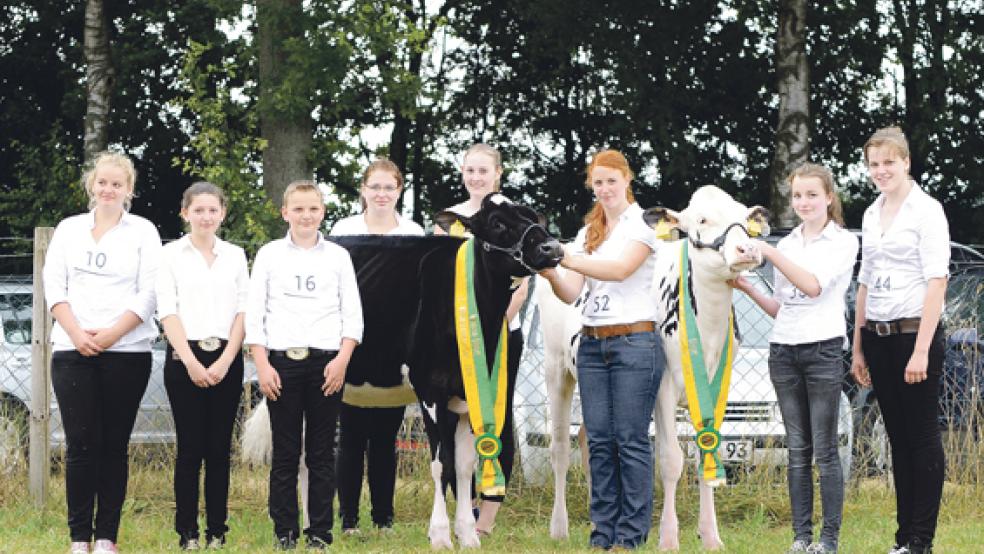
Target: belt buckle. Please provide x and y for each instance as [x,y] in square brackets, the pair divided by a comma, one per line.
[883,328]
[211,344]
[298,353]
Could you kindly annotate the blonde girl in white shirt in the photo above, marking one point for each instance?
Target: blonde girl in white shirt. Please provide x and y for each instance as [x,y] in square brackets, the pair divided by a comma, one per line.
[201,297]
[898,341]
[368,429]
[99,285]
[813,264]
[481,173]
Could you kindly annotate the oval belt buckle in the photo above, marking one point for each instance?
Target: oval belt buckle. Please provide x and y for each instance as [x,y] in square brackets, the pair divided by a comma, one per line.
[298,353]
[211,344]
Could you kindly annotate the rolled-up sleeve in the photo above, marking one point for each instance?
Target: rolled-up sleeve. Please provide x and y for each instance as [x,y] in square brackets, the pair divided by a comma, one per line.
[167,291]
[256,302]
[55,273]
[144,302]
[839,260]
[934,243]
[348,296]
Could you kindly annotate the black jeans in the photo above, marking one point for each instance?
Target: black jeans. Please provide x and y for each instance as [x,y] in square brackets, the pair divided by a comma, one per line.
[911,419]
[98,397]
[367,434]
[203,422]
[808,379]
[303,409]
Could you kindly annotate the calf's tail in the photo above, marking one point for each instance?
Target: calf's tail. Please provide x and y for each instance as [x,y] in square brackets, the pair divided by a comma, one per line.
[257,438]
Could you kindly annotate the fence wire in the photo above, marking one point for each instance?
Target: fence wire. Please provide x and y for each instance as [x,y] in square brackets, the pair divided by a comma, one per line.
[753,433]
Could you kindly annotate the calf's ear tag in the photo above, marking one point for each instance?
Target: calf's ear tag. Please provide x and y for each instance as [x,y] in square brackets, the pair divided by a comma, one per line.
[664,231]
[754,228]
[457,229]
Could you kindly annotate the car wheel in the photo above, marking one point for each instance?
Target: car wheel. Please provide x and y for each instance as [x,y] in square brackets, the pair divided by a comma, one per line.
[14,422]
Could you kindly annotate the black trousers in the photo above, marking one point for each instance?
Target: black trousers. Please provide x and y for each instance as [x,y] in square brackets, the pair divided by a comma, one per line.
[98,397]
[303,409]
[911,420]
[203,422]
[367,434]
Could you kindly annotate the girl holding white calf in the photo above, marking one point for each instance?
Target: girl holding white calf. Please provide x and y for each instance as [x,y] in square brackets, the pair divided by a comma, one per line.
[813,267]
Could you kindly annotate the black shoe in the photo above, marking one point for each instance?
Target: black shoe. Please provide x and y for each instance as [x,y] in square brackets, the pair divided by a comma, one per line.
[287,542]
[189,542]
[214,542]
[384,524]
[317,543]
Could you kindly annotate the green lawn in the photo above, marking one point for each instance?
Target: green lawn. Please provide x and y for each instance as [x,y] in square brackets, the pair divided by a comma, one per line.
[753,514]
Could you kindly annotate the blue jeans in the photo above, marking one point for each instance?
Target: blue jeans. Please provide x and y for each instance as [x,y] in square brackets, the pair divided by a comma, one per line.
[618,378]
[808,378]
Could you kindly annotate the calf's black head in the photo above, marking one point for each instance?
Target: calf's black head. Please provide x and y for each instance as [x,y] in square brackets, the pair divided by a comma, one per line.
[512,230]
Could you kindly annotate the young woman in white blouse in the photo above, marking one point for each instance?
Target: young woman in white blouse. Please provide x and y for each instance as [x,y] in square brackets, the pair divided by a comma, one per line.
[99,284]
[620,359]
[898,342]
[481,173]
[813,267]
[368,429]
[202,285]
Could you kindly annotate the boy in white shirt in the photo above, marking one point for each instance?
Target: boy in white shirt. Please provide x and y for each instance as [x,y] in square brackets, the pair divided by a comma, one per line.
[303,320]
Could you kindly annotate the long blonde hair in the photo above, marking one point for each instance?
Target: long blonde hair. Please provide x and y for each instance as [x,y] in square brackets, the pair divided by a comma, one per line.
[595,220]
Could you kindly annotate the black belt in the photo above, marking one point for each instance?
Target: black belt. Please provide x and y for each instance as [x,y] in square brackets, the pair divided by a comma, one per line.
[906,325]
[300,353]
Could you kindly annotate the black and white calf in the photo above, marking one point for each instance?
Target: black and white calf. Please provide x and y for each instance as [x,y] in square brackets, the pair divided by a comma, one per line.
[720,248]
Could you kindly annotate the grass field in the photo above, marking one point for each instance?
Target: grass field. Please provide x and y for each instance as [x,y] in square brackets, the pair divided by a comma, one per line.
[753,514]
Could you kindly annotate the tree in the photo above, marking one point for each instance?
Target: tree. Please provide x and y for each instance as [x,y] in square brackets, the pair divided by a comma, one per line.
[99,75]
[285,99]
[793,129]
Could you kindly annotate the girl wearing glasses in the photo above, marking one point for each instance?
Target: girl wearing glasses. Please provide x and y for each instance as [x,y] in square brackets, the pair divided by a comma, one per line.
[370,421]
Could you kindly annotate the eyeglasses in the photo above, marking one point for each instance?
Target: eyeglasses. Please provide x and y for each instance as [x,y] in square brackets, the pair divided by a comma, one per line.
[382,188]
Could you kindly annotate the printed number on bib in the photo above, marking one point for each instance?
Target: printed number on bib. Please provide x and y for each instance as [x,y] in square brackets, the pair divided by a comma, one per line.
[882,284]
[95,259]
[302,286]
[603,305]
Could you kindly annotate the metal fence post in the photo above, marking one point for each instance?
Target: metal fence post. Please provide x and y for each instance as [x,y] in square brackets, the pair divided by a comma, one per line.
[40,455]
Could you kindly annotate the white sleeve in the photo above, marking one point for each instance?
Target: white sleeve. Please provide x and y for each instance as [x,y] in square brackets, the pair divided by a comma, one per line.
[256,303]
[348,296]
[167,288]
[836,263]
[55,272]
[145,301]
[242,282]
[934,242]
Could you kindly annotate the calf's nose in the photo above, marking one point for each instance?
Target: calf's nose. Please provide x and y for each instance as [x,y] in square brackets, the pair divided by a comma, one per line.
[553,250]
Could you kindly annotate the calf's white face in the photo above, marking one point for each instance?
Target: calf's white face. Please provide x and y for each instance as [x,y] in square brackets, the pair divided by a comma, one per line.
[719,228]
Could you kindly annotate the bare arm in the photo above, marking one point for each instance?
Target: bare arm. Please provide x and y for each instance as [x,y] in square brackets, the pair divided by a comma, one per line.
[633,256]
[82,340]
[518,298]
[336,368]
[802,279]
[178,339]
[916,369]
[859,367]
[567,287]
[769,304]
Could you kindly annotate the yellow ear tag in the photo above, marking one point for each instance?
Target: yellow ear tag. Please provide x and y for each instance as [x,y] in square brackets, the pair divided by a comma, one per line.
[456,229]
[754,228]
[664,230]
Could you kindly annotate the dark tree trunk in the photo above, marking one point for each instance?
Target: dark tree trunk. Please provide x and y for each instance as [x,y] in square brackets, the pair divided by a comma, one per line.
[99,74]
[793,130]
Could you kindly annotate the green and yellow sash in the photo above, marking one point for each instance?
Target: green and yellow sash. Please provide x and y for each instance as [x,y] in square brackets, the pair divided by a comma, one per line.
[485,391]
[706,399]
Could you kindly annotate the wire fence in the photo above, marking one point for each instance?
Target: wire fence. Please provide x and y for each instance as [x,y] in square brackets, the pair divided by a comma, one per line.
[753,434]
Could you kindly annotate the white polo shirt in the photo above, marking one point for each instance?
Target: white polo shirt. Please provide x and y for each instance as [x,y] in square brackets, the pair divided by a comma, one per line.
[629,301]
[356,225]
[102,280]
[206,299]
[303,296]
[830,258]
[896,265]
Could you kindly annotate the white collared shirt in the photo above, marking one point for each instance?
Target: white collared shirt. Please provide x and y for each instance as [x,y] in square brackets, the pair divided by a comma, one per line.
[611,303]
[896,265]
[303,296]
[830,258]
[102,280]
[205,298]
[356,225]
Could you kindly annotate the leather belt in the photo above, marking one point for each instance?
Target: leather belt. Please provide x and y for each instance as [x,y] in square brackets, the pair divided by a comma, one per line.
[895,327]
[618,330]
[299,353]
[210,344]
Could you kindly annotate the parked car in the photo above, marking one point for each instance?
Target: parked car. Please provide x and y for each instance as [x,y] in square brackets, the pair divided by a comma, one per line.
[752,432]
[154,423]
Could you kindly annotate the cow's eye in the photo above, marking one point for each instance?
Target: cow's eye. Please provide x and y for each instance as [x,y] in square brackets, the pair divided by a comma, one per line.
[702,221]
